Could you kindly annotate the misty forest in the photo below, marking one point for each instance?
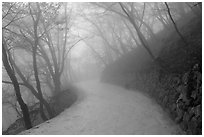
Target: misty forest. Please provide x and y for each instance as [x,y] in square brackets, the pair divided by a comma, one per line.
[120,68]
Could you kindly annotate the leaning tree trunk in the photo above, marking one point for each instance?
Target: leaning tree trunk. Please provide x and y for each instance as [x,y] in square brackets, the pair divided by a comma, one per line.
[34,92]
[34,48]
[38,85]
[140,35]
[142,38]
[13,78]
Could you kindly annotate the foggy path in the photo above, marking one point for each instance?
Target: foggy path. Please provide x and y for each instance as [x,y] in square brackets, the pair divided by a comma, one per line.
[108,109]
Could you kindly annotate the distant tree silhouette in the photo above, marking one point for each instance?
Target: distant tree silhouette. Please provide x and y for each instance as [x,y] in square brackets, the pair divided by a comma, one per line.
[175,26]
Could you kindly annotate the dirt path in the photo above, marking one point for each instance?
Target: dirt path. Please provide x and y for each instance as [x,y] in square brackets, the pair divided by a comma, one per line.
[107,109]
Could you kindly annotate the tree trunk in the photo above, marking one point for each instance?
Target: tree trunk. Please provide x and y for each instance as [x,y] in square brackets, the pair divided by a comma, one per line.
[13,78]
[131,33]
[57,83]
[163,23]
[42,114]
[140,35]
[34,48]
[38,85]
[34,92]
[175,26]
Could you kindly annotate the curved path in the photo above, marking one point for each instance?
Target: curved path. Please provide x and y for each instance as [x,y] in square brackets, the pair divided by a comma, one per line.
[106,109]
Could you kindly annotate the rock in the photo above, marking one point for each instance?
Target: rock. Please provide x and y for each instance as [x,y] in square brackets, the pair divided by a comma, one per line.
[180,104]
[192,125]
[174,115]
[176,81]
[173,107]
[181,97]
[186,117]
[198,98]
[174,96]
[165,101]
[173,110]
[194,94]
[185,78]
[189,132]
[179,116]
[198,111]
[191,111]
[179,89]
[199,120]
[184,125]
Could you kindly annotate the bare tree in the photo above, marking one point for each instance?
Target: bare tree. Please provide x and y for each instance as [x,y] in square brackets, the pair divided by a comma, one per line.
[9,68]
[36,19]
[59,51]
[175,26]
[107,44]
[140,35]
[14,80]
[34,48]
[160,15]
[25,82]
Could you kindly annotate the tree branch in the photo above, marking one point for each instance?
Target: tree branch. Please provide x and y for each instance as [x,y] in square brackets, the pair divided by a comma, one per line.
[142,15]
[9,82]
[8,11]
[175,26]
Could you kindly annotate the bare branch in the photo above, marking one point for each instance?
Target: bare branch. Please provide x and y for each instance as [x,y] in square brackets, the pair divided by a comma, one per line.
[9,82]
[140,35]
[8,11]
[72,47]
[13,19]
[175,26]
[142,14]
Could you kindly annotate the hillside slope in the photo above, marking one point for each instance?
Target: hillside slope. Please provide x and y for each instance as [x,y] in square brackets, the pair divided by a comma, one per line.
[176,83]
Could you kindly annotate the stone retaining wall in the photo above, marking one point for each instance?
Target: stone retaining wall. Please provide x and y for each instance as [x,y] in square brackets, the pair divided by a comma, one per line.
[179,95]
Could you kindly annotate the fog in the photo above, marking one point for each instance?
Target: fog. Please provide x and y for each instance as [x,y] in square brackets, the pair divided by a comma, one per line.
[51,47]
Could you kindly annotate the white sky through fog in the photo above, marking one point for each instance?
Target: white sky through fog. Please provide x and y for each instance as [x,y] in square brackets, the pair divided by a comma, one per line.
[81,27]
[77,30]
